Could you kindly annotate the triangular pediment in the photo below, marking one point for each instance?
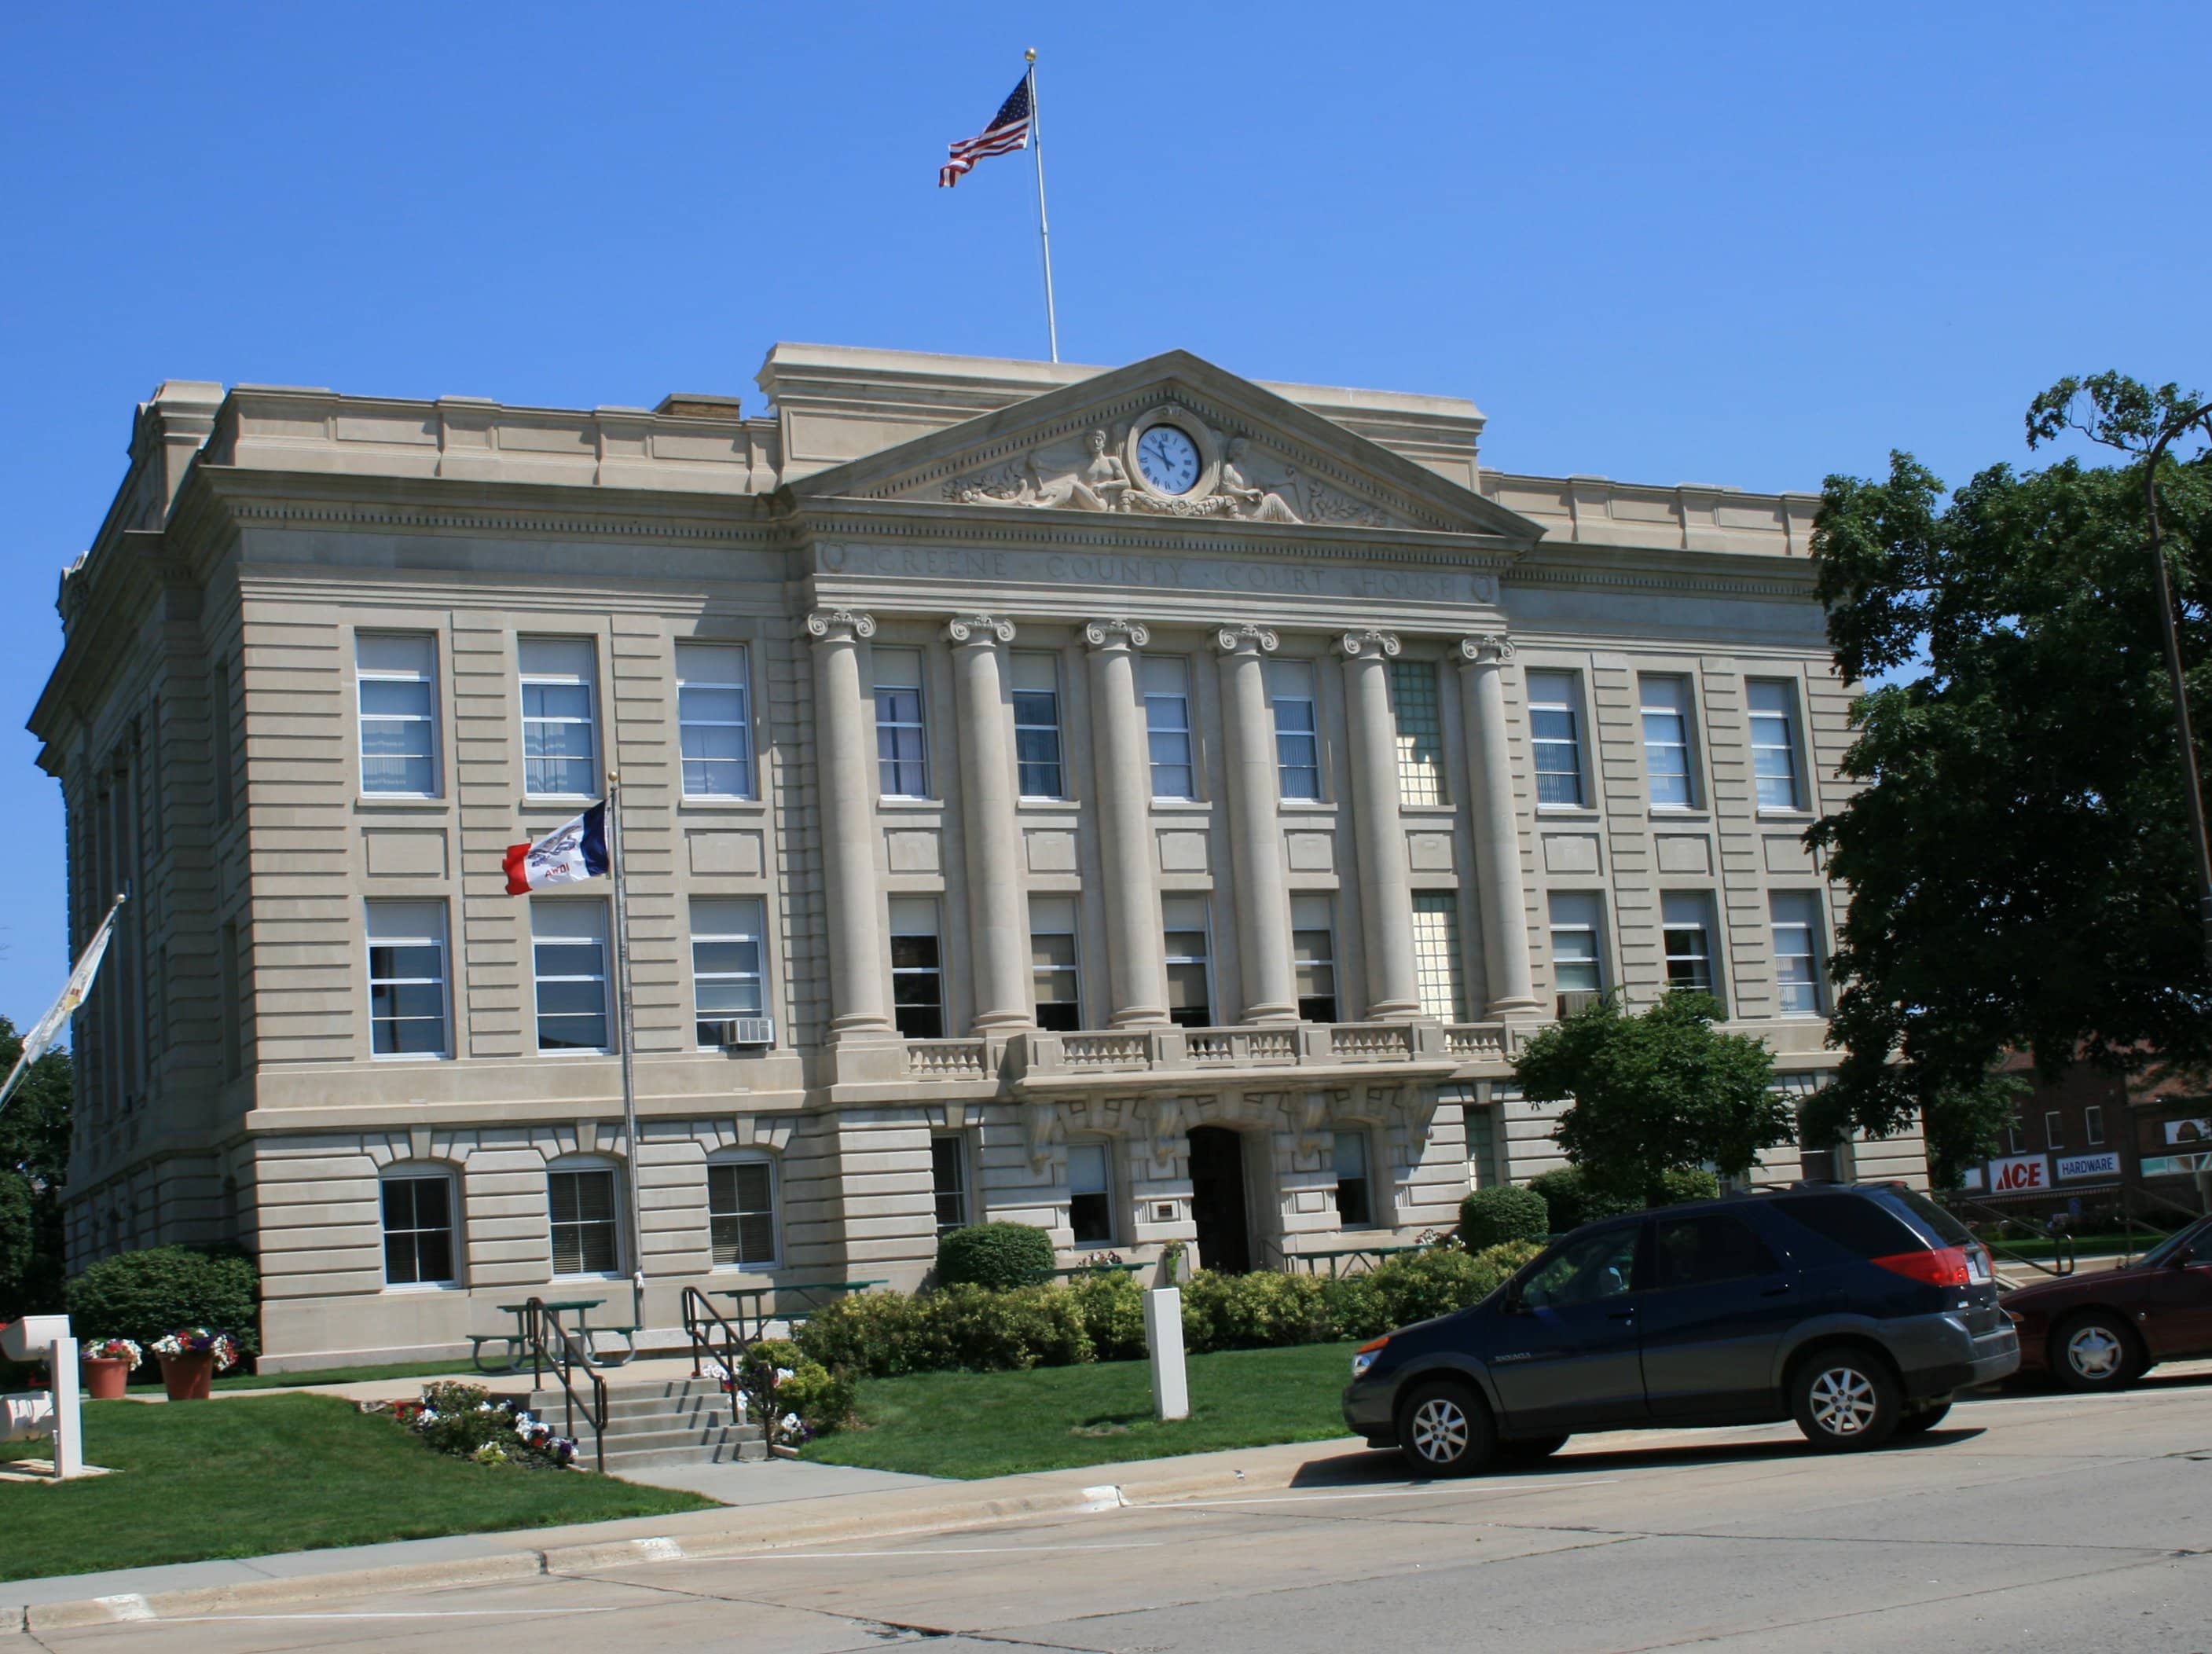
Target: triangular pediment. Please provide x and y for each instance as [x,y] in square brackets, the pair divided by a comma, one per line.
[1234,452]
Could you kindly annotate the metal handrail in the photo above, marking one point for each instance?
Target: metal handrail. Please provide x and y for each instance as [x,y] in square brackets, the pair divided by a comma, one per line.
[698,1311]
[566,1353]
[2062,1244]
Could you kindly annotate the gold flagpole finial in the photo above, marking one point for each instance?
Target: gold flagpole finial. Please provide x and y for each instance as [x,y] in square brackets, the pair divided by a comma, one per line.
[1030,55]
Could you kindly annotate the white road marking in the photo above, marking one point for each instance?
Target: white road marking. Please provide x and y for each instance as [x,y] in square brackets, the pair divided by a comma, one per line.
[387,1614]
[943,1550]
[1399,1493]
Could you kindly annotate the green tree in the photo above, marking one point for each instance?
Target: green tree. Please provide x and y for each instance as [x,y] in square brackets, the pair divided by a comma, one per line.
[35,1143]
[1660,1091]
[2017,852]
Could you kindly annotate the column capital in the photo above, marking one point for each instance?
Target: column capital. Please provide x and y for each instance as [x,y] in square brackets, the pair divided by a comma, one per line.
[1368,642]
[1486,648]
[984,631]
[1246,638]
[1117,634]
[841,625]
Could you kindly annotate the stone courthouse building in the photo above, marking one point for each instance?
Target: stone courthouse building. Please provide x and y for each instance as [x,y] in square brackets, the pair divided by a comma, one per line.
[1144,803]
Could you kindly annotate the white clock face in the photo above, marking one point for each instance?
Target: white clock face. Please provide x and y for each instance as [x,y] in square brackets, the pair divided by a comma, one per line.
[1168,458]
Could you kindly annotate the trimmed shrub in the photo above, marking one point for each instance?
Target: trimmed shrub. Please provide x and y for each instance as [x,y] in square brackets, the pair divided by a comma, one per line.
[1490,1217]
[1692,1183]
[1572,1202]
[1421,1286]
[143,1295]
[879,1335]
[791,1397]
[983,1331]
[996,1254]
[1112,1307]
[1256,1312]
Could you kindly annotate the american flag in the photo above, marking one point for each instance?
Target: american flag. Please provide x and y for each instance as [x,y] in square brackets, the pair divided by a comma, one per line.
[1009,131]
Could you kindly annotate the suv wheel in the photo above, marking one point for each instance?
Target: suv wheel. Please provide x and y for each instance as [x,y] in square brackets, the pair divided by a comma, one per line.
[2096,1351]
[1845,1400]
[1444,1431]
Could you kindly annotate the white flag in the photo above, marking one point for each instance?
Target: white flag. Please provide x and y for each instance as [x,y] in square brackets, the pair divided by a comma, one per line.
[80,984]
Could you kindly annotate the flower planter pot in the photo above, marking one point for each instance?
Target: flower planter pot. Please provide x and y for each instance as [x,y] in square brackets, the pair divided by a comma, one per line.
[187,1376]
[104,1376]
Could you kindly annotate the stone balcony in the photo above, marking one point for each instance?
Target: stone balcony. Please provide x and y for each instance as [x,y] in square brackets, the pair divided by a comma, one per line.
[1032,1064]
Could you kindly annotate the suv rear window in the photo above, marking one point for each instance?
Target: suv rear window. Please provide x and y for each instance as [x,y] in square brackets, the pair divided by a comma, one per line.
[1946,1229]
[1864,1225]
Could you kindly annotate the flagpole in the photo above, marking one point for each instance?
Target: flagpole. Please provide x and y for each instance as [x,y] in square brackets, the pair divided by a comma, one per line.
[43,1033]
[1044,230]
[628,1034]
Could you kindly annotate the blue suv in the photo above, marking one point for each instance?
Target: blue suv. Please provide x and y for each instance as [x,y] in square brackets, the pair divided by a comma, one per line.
[1855,1310]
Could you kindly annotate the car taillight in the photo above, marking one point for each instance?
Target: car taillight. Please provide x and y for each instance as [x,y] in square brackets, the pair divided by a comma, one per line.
[1945,1265]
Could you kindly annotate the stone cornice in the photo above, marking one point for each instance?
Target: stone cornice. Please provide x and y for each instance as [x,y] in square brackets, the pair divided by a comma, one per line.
[1643,569]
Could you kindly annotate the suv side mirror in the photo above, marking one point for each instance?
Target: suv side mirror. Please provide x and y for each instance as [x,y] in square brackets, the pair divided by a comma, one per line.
[1514,1304]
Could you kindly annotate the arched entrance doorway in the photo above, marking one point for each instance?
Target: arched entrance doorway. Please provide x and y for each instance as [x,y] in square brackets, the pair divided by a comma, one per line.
[1217,1200]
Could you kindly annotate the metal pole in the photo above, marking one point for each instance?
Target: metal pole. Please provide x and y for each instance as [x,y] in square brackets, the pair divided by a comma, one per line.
[1044,230]
[2192,785]
[627,1033]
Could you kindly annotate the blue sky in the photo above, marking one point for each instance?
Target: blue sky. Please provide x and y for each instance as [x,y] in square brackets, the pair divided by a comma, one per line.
[1741,245]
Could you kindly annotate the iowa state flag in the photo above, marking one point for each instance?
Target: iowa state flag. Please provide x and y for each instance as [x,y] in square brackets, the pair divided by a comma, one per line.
[573,851]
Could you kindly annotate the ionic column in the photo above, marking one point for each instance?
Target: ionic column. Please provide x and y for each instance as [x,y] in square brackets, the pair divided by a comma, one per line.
[1497,835]
[1386,883]
[848,772]
[1136,965]
[996,913]
[1263,902]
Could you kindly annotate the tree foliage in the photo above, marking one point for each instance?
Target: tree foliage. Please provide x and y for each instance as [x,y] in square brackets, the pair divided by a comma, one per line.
[34,1145]
[2017,854]
[1660,1091]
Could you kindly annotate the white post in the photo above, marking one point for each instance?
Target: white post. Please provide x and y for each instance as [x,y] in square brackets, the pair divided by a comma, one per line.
[1163,1338]
[68,1418]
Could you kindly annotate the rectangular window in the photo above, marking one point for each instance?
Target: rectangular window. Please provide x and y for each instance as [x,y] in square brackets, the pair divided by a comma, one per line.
[1796,920]
[1355,1205]
[1313,957]
[2093,1124]
[418,1230]
[560,747]
[901,739]
[582,1204]
[1190,994]
[568,954]
[741,1214]
[1090,1194]
[1437,967]
[1685,926]
[1298,729]
[1555,732]
[1167,720]
[1052,964]
[725,962]
[1420,732]
[1577,964]
[396,694]
[1038,757]
[948,1181]
[407,978]
[917,970]
[714,719]
[1774,743]
[2054,1129]
[1666,708]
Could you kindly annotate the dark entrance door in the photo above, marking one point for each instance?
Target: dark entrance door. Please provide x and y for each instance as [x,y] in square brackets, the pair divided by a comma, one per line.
[1217,1200]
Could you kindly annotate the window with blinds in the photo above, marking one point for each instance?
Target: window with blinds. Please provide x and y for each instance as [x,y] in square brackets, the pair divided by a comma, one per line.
[1037,755]
[1167,724]
[1686,932]
[1665,705]
[902,739]
[1556,737]
[1190,984]
[917,969]
[726,963]
[560,749]
[714,717]
[1053,973]
[1355,1193]
[1796,916]
[1437,964]
[1578,963]
[1773,743]
[948,1181]
[586,1241]
[1420,732]
[741,1214]
[1298,729]
[1313,957]
[406,978]
[396,687]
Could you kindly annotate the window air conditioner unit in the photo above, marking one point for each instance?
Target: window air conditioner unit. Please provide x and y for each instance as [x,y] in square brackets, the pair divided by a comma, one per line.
[1571,1003]
[739,1031]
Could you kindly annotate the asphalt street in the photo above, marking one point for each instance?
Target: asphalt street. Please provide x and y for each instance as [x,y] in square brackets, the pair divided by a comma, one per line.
[2024,1522]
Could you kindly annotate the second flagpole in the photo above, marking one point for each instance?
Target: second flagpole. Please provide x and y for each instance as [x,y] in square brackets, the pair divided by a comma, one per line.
[1044,230]
[627,1033]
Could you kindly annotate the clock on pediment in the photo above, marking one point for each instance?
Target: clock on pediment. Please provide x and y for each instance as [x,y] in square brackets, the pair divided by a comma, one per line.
[1172,455]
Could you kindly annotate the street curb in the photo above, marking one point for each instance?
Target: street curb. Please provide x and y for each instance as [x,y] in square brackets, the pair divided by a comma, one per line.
[762,1530]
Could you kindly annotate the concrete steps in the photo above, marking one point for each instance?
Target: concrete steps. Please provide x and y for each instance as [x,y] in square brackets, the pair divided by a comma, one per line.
[658,1421]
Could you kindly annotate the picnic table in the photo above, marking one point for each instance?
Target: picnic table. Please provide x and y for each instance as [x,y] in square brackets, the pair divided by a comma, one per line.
[517,1341]
[1336,1257]
[1099,1268]
[812,1295]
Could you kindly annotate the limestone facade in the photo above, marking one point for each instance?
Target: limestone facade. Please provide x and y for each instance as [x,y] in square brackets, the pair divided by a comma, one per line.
[1144,803]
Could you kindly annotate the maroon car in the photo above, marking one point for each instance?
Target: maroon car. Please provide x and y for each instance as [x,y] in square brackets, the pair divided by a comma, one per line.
[2104,1331]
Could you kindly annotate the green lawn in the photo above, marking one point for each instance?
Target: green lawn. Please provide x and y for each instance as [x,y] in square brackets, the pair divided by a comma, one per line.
[995,1424]
[288,1473]
[348,1376]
